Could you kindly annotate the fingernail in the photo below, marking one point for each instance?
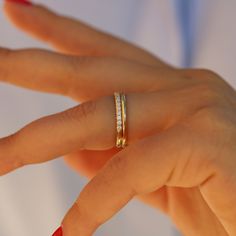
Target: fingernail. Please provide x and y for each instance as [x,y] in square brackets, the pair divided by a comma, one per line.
[24,2]
[58,232]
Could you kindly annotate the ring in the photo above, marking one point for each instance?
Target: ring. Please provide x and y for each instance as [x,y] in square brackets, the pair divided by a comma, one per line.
[121,120]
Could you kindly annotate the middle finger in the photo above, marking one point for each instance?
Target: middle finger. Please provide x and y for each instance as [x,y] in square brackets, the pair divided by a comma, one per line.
[82,78]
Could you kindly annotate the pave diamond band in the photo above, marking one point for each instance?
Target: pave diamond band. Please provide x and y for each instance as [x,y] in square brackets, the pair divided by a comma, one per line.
[121,127]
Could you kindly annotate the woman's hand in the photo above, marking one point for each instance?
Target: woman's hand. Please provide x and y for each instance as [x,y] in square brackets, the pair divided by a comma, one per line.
[182,127]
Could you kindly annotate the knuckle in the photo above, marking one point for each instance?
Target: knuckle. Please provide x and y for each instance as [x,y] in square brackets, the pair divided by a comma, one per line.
[209,88]
[207,74]
[211,78]
[80,113]
[86,110]
[118,164]
[213,118]
[81,116]
[208,93]
[203,75]
[206,85]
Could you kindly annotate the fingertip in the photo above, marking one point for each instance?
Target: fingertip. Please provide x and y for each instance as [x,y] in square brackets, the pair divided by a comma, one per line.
[16,12]
[37,20]
[21,14]
[15,4]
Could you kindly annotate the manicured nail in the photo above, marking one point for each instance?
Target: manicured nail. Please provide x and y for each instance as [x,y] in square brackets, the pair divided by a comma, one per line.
[24,2]
[58,232]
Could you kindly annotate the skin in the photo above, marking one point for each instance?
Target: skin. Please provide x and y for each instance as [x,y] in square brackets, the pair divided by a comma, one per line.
[181,157]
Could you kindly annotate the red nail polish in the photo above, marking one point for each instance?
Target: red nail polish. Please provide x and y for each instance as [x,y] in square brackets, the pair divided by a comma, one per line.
[58,232]
[24,2]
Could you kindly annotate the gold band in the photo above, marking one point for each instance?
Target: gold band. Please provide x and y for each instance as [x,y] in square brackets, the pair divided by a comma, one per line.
[121,118]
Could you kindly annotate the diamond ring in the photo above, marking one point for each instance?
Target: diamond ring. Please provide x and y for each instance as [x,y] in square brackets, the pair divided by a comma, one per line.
[121,118]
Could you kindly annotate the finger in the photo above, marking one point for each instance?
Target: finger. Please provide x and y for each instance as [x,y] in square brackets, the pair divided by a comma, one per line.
[91,126]
[71,36]
[88,163]
[125,176]
[82,78]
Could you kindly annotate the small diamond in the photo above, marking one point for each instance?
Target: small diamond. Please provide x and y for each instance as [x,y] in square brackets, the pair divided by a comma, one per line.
[119,122]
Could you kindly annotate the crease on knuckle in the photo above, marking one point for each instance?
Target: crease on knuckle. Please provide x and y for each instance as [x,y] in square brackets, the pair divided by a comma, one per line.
[203,76]
[81,112]
[82,115]
[209,88]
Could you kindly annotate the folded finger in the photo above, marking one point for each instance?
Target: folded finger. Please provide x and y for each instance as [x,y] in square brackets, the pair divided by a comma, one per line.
[73,36]
[88,163]
[125,176]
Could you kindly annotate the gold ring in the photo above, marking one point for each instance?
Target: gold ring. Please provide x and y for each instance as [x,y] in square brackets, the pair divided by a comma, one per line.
[121,119]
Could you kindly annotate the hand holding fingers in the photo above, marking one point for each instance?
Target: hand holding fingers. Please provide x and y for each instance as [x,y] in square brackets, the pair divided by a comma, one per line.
[79,39]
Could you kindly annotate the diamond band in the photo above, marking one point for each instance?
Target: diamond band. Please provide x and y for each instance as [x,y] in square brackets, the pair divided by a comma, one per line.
[120,104]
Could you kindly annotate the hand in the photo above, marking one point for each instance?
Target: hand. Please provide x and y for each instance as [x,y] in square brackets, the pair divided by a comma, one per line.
[181,156]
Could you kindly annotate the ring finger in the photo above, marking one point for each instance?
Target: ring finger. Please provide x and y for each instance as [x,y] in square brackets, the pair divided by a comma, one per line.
[91,126]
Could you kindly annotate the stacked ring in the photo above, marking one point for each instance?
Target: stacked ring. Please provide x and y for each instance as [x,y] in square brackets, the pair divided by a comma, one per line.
[121,118]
